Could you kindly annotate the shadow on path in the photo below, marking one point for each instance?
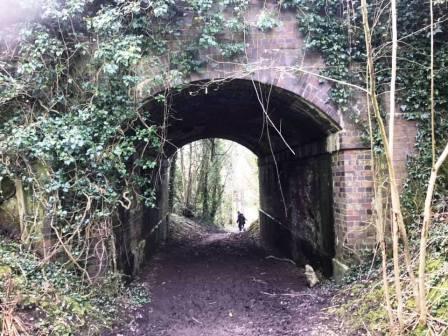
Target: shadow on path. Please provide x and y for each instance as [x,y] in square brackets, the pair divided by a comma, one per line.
[220,284]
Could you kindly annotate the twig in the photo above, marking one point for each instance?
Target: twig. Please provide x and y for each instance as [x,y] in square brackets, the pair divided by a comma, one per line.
[281,259]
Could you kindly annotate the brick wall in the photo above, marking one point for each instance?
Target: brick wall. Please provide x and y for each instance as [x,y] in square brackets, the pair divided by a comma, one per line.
[352,197]
[270,57]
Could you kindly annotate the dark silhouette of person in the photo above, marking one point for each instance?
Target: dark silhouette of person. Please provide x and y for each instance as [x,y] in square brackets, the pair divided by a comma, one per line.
[241,220]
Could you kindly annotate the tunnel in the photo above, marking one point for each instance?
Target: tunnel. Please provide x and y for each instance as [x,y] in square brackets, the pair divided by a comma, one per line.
[288,135]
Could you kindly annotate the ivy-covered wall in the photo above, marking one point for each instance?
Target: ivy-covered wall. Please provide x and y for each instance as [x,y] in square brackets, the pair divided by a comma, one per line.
[83,92]
[334,29]
[81,80]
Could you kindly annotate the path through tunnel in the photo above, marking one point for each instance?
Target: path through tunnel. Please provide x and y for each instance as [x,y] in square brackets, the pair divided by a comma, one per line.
[211,180]
[289,136]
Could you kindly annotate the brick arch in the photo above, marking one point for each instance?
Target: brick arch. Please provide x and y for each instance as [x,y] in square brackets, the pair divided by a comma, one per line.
[337,158]
[283,80]
[215,107]
[274,58]
[327,187]
[277,57]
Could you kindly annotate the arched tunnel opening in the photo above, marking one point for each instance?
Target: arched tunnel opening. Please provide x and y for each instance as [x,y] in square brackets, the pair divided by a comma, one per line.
[288,135]
[213,179]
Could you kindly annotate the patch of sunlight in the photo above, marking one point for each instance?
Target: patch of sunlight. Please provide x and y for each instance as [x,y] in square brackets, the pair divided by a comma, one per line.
[241,192]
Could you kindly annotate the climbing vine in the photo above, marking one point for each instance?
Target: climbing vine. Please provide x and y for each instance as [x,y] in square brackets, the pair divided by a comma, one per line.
[327,34]
[74,138]
[333,28]
[73,133]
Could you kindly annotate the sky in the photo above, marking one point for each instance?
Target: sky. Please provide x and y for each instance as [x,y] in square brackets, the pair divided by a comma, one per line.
[244,182]
[12,11]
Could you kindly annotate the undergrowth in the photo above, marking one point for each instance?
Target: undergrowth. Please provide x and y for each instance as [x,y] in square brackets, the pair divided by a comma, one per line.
[49,298]
[361,304]
[360,301]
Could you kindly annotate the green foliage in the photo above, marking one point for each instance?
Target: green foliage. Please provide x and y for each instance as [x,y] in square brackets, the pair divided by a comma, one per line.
[57,297]
[201,193]
[335,31]
[216,19]
[358,304]
[415,104]
[329,34]
[267,21]
[73,130]
[230,50]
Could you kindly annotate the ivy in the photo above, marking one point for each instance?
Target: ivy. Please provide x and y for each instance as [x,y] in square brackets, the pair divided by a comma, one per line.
[335,31]
[328,30]
[64,304]
[267,21]
[72,129]
[415,103]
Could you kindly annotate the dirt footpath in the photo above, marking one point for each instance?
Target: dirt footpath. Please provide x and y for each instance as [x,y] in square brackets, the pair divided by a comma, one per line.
[220,285]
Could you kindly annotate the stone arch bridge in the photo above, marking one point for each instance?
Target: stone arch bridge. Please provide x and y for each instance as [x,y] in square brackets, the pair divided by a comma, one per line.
[315,171]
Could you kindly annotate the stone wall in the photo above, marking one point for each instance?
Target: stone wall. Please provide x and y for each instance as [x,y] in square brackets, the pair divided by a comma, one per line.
[141,229]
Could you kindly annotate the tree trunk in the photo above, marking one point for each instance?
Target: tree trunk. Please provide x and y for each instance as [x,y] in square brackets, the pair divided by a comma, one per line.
[172,187]
[427,219]
[397,217]
[188,192]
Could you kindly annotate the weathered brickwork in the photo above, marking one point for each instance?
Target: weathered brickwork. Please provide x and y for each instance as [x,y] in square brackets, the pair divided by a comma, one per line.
[305,213]
[352,199]
[330,158]
[277,60]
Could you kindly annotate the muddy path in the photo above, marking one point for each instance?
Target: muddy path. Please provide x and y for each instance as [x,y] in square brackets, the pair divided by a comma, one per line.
[221,284]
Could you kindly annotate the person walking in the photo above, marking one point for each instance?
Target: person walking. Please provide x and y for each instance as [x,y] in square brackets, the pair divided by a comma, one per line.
[241,220]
